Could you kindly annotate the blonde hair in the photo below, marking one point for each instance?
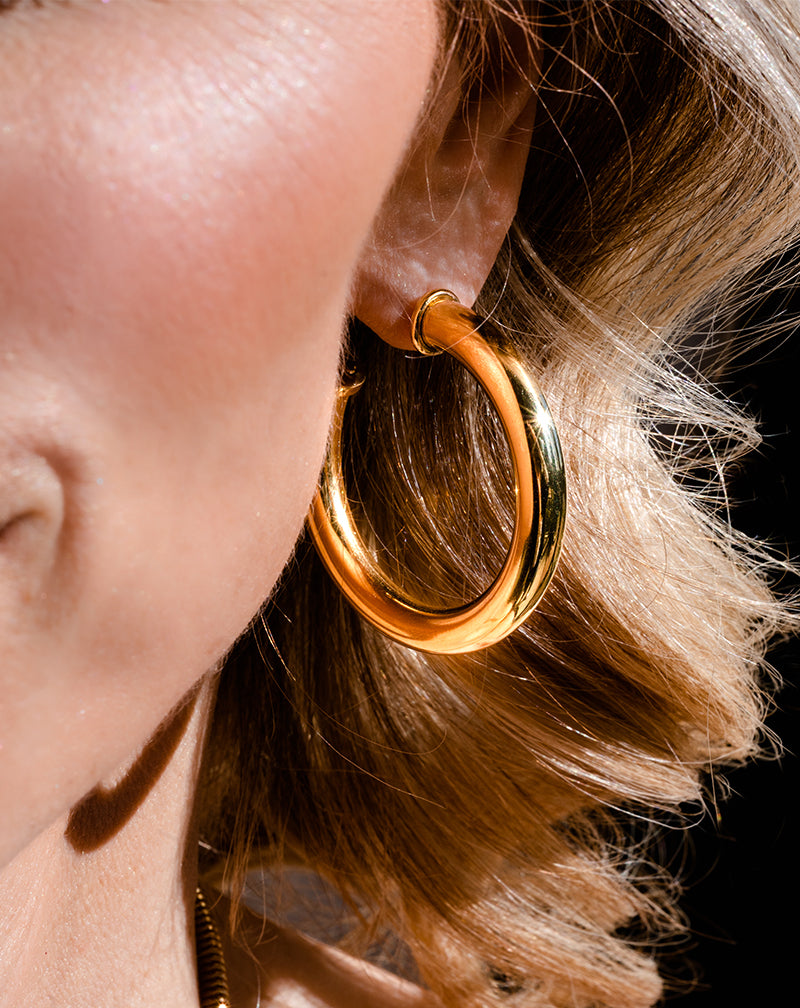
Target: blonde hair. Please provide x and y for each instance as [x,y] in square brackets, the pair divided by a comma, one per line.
[473,801]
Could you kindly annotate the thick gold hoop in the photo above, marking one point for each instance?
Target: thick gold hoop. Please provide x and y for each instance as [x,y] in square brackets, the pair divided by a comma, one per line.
[440,322]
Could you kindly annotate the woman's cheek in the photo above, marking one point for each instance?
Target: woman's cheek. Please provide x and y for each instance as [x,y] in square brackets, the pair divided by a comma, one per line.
[183,206]
[181,248]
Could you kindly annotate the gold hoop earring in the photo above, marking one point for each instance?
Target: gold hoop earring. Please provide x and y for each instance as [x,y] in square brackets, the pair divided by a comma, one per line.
[439,323]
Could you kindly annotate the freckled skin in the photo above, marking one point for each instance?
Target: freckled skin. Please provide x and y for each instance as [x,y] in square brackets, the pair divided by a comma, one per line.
[185,189]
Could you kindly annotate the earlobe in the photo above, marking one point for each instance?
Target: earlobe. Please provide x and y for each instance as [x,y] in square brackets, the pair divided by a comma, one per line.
[446,216]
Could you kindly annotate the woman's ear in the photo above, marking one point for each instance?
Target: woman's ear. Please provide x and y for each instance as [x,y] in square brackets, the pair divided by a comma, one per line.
[449,209]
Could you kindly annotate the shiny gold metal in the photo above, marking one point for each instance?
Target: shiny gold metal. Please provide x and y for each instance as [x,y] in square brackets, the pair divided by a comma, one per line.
[441,323]
[212,977]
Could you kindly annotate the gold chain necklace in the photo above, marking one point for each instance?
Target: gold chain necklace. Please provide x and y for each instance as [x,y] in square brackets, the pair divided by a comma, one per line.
[212,977]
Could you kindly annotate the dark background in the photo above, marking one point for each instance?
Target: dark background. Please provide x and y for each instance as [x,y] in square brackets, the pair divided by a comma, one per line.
[743,898]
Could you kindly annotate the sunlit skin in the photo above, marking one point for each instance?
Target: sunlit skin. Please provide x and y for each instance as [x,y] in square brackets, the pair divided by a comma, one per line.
[180,225]
[189,197]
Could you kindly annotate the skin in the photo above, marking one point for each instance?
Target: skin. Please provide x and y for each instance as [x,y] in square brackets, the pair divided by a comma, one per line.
[192,196]
[178,252]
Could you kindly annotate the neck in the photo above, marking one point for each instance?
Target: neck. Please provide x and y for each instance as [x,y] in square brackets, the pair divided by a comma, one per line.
[99,908]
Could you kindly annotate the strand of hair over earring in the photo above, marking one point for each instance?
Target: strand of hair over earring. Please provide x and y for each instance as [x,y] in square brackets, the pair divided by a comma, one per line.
[439,324]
